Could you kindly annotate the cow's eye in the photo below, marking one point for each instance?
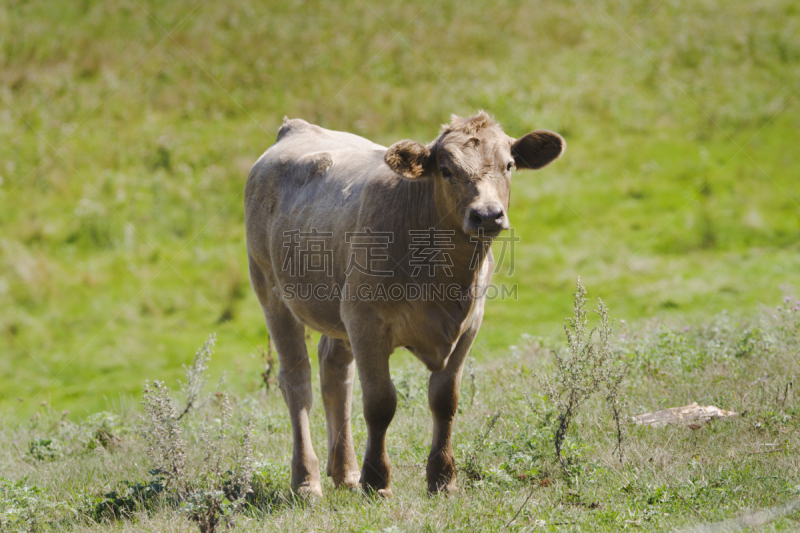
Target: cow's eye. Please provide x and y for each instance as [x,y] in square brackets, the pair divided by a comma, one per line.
[509,166]
[446,172]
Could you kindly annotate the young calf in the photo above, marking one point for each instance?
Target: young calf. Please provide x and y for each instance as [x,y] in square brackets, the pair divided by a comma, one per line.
[378,248]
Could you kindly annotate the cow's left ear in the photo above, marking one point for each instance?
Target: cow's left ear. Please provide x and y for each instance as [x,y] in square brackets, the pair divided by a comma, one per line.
[537,149]
[408,158]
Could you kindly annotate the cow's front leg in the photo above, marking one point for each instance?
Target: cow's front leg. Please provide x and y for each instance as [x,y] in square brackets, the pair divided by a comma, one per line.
[443,392]
[380,401]
[337,372]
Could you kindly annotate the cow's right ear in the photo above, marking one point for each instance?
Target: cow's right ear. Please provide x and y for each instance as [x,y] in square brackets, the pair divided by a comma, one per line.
[408,158]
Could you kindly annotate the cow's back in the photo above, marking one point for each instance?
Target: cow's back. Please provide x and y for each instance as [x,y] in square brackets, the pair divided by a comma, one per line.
[310,180]
[310,177]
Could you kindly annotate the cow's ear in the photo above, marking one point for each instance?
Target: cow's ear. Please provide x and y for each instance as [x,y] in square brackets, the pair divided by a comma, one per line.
[408,158]
[537,149]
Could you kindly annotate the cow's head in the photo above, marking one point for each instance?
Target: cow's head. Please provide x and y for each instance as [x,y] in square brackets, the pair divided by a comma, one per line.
[471,162]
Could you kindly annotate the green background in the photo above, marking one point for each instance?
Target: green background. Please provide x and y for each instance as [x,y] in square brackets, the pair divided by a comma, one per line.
[127,129]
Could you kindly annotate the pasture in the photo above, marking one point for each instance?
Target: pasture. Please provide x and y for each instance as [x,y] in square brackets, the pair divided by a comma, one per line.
[128,127]
[96,475]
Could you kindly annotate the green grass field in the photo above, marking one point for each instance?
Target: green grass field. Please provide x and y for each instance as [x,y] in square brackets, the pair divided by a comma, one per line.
[95,474]
[128,127]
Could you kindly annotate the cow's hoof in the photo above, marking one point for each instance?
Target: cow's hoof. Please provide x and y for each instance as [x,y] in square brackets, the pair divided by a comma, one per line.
[350,481]
[310,491]
[372,492]
[442,488]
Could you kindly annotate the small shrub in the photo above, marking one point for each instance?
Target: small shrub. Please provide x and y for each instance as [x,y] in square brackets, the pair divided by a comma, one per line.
[196,377]
[104,430]
[43,449]
[212,488]
[24,508]
[784,320]
[206,507]
[216,492]
[162,434]
[588,367]
[751,342]
[269,487]
[129,498]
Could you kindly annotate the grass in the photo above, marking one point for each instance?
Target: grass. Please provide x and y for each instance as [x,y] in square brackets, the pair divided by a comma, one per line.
[129,126]
[673,477]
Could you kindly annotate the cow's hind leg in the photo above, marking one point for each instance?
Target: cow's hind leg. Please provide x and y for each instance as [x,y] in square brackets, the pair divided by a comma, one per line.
[443,392]
[337,372]
[294,379]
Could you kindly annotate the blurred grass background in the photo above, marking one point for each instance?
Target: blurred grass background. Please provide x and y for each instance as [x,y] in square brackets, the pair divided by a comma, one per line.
[127,128]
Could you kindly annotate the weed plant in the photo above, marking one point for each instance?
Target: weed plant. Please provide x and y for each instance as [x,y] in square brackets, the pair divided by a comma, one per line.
[587,368]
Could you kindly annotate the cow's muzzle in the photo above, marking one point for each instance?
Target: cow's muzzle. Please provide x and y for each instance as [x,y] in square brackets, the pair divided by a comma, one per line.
[489,219]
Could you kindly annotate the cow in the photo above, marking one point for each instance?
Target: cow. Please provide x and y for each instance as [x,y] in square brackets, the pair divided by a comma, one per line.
[337,240]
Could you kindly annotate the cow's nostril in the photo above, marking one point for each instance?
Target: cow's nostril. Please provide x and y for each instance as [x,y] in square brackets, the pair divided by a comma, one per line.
[475,218]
